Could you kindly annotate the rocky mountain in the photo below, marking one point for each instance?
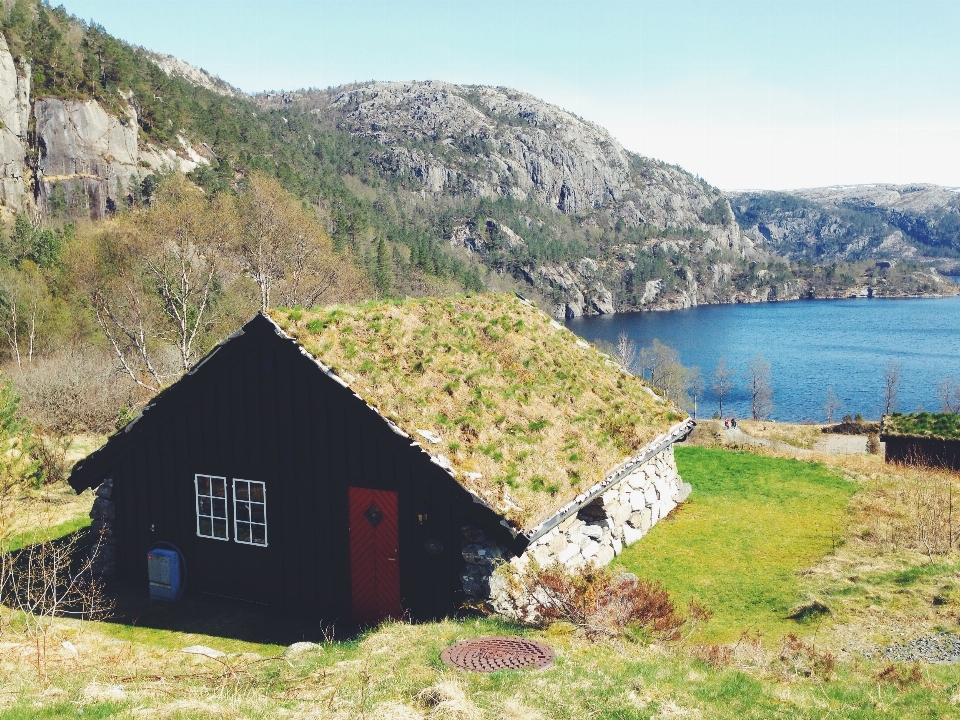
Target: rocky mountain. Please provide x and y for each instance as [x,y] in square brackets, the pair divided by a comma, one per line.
[434,186]
[918,223]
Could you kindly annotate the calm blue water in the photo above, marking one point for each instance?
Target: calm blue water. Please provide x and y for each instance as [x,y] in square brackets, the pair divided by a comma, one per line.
[810,345]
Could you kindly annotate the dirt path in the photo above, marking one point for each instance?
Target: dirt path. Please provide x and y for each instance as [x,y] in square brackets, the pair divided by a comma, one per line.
[829,444]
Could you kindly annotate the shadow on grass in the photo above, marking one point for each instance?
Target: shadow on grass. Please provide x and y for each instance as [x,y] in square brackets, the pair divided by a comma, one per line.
[194,613]
[202,614]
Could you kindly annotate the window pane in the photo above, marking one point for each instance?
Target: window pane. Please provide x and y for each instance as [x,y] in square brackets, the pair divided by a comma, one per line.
[243,532]
[203,485]
[242,490]
[206,527]
[243,511]
[220,508]
[219,487]
[257,513]
[256,492]
[259,534]
[220,528]
[204,506]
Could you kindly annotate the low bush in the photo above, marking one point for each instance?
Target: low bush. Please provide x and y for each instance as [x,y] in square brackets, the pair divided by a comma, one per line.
[596,600]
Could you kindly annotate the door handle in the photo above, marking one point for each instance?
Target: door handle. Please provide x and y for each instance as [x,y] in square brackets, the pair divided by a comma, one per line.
[392,559]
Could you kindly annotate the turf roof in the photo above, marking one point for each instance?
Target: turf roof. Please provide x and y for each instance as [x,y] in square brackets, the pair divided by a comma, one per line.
[940,426]
[528,415]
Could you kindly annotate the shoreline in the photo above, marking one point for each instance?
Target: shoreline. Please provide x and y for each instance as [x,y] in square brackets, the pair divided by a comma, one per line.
[767,301]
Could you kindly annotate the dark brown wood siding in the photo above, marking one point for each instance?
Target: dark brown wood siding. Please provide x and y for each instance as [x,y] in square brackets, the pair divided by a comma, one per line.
[261,410]
[922,451]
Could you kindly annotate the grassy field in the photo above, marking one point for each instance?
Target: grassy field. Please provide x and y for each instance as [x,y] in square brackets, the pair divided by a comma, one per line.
[737,546]
[761,536]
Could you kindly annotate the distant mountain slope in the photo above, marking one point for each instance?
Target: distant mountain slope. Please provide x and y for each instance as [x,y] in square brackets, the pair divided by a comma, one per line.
[435,187]
[890,222]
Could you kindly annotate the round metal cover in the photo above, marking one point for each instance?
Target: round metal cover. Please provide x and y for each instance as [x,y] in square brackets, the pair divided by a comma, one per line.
[498,653]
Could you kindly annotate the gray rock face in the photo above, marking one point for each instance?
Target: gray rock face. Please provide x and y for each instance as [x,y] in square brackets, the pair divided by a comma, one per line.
[85,156]
[14,115]
[497,142]
[85,151]
[503,142]
[886,222]
[175,67]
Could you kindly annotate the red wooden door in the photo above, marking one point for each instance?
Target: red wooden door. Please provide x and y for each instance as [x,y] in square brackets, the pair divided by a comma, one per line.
[374,555]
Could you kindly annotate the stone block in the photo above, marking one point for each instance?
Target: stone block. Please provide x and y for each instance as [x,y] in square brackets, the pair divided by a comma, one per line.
[105,490]
[617,546]
[636,480]
[543,556]
[603,555]
[637,501]
[481,553]
[631,534]
[683,492]
[662,490]
[642,519]
[558,542]
[567,554]
[103,509]
[650,495]
[591,549]
[594,532]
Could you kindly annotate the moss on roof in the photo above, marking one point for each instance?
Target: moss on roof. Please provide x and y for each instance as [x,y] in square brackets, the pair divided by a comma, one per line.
[528,414]
[940,426]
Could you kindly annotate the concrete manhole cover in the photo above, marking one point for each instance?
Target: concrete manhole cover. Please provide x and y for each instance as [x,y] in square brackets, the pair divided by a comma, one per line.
[498,653]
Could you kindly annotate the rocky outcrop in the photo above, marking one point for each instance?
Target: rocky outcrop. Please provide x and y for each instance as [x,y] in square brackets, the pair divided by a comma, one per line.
[490,142]
[84,153]
[14,118]
[485,142]
[175,67]
[76,156]
[863,222]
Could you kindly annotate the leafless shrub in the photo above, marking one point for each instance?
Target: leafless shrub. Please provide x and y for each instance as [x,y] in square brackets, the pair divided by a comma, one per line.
[799,658]
[53,579]
[716,656]
[873,444]
[598,601]
[74,391]
[900,676]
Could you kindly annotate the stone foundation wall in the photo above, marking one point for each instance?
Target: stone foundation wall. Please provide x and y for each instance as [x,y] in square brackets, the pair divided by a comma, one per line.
[616,519]
[103,513]
[596,534]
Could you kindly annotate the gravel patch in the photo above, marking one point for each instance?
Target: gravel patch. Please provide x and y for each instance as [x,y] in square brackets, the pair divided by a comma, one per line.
[939,648]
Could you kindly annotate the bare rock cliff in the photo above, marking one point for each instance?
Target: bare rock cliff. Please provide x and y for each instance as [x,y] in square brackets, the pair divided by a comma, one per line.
[76,153]
[14,118]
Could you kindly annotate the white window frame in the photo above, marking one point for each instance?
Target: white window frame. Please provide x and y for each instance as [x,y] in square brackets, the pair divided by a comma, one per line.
[251,523]
[226,504]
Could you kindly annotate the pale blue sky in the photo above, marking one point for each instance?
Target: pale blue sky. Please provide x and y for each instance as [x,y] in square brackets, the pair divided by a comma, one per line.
[746,93]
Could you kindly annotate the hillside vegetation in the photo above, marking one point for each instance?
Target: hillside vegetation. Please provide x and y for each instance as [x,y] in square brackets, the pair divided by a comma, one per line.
[433,187]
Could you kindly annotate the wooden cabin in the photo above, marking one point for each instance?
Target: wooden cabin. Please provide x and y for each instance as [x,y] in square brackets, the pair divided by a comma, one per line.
[928,439]
[378,461]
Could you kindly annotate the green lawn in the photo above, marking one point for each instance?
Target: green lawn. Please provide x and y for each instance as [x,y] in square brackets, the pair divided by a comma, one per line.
[32,537]
[737,545]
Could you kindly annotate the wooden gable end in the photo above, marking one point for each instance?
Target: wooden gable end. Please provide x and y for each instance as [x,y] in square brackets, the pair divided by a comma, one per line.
[259,409]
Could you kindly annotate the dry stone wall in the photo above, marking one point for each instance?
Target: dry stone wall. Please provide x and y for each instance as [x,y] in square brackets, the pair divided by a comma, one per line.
[596,534]
[103,561]
[618,518]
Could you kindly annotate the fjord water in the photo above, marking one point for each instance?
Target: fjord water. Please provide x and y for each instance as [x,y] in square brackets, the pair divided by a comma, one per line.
[811,345]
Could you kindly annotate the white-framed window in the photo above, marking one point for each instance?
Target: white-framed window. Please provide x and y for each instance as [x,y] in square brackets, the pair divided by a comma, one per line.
[250,512]
[211,506]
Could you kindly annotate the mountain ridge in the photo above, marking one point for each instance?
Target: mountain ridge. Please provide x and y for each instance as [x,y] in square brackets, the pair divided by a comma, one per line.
[434,186]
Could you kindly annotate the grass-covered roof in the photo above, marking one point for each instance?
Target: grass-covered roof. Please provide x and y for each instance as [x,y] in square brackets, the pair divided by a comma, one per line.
[528,415]
[939,426]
